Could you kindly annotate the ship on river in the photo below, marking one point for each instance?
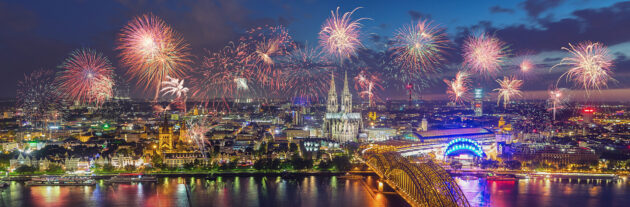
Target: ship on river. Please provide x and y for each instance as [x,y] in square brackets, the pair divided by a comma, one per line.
[61,181]
[131,178]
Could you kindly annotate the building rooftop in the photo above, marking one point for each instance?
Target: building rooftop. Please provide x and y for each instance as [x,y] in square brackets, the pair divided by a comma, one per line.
[452,132]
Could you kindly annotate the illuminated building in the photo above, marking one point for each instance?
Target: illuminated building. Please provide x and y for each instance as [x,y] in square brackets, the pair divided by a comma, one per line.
[587,115]
[437,141]
[379,134]
[424,124]
[478,102]
[165,136]
[340,123]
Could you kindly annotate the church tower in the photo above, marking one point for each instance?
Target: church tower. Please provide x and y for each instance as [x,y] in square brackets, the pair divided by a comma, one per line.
[332,106]
[165,136]
[183,132]
[346,97]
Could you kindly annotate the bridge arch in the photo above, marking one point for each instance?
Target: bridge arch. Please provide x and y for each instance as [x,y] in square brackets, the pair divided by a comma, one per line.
[462,145]
[421,184]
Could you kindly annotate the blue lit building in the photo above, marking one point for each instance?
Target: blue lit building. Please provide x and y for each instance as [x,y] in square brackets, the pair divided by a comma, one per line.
[439,141]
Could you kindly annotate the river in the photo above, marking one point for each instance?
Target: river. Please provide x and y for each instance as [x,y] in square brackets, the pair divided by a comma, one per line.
[327,191]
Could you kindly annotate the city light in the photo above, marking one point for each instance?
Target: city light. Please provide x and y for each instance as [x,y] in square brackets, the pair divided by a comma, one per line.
[206,103]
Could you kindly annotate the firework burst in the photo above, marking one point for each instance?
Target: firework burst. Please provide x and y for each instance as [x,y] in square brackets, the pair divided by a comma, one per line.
[196,132]
[306,73]
[420,46]
[340,35]
[152,50]
[268,44]
[174,86]
[224,74]
[558,99]
[484,54]
[526,65]
[37,94]
[590,65]
[86,77]
[367,84]
[457,89]
[510,87]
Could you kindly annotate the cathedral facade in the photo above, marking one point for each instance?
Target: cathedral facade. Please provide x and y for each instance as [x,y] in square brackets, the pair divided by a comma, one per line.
[340,123]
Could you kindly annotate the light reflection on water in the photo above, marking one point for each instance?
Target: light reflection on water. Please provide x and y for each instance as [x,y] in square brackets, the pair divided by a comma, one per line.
[544,192]
[307,191]
[222,191]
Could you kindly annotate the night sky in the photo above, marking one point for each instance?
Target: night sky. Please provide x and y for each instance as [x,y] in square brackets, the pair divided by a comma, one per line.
[41,34]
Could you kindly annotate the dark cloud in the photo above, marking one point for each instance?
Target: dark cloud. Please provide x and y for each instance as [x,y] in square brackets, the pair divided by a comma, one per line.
[375,38]
[535,7]
[601,25]
[553,60]
[416,15]
[498,9]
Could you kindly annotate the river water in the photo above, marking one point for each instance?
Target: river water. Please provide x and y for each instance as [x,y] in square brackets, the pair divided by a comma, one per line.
[327,191]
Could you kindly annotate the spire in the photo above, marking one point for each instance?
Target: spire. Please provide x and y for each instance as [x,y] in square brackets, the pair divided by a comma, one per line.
[332,106]
[346,97]
[332,90]
[346,90]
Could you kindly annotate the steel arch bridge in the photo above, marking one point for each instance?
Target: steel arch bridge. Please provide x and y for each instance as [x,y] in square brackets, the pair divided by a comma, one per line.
[464,145]
[420,184]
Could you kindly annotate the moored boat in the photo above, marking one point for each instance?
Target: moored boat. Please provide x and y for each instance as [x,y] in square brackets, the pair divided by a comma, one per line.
[60,181]
[132,178]
[494,177]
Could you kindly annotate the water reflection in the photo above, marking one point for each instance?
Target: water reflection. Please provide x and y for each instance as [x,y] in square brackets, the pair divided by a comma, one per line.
[544,192]
[222,191]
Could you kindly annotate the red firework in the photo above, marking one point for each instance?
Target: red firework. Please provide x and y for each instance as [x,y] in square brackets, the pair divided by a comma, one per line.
[87,77]
[306,73]
[224,74]
[152,50]
[267,44]
[367,84]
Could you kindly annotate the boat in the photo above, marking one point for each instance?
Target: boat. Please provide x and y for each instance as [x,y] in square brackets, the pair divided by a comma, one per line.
[522,176]
[469,177]
[131,178]
[61,181]
[493,177]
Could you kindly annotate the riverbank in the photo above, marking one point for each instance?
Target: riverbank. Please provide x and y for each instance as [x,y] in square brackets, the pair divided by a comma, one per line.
[249,173]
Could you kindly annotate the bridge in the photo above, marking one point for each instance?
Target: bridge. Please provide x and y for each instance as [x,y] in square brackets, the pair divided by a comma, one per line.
[420,184]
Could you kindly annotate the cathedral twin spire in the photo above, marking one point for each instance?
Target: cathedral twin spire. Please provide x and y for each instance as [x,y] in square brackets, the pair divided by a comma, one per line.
[346,97]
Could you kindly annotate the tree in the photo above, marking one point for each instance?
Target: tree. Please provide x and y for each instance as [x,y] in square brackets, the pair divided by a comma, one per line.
[300,163]
[324,165]
[130,168]
[108,168]
[341,163]
[25,169]
[156,161]
[488,164]
[189,165]
[456,165]
[54,168]
[513,165]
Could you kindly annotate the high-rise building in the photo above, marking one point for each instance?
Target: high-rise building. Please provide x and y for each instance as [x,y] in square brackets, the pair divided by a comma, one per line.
[424,124]
[340,123]
[478,102]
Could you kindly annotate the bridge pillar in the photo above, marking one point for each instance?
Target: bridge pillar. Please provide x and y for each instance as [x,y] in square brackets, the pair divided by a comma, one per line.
[380,186]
